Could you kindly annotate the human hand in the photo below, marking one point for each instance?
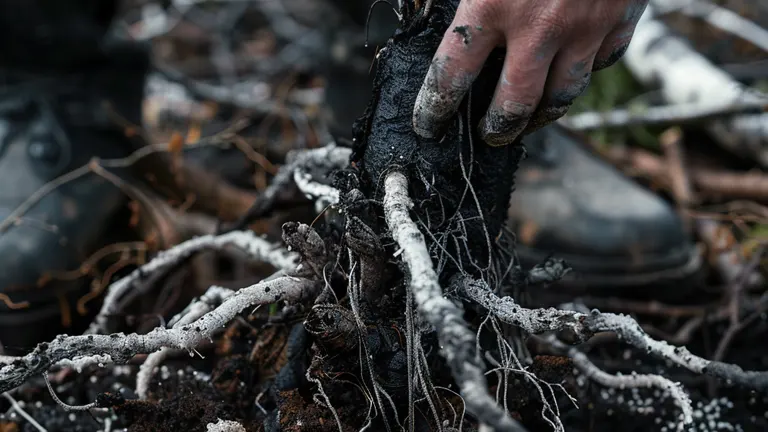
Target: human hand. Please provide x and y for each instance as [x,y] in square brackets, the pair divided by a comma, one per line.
[552,47]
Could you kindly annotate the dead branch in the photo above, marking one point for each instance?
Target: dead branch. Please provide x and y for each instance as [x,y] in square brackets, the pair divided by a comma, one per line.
[667,115]
[456,340]
[120,348]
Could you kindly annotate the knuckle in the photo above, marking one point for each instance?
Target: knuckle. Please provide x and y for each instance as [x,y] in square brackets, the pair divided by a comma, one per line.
[550,25]
[486,11]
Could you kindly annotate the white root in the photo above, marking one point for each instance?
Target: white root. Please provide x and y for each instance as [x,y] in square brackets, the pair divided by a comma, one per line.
[256,247]
[327,159]
[583,326]
[671,389]
[298,168]
[61,403]
[324,195]
[212,298]
[121,347]
[657,56]
[456,340]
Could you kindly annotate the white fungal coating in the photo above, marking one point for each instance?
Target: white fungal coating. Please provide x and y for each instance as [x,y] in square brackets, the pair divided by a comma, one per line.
[256,247]
[456,340]
[224,426]
[121,347]
[199,307]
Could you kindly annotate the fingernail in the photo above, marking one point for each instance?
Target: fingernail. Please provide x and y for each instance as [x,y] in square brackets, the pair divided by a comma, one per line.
[426,112]
[436,105]
[546,116]
[615,56]
[500,127]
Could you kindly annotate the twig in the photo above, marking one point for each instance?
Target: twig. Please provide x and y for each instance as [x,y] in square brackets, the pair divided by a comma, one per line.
[15,405]
[735,289]
[668,115]
[709,182]
[128,161]
[671,143]
[456,340]
[121,347]
[255,247]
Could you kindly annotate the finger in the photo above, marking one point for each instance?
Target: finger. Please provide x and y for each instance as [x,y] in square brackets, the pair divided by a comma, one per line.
[617,41]
[457,62]
[519,89]
[569,76]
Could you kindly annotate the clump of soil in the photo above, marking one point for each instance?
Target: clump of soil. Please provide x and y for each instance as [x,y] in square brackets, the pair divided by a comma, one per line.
[440,170]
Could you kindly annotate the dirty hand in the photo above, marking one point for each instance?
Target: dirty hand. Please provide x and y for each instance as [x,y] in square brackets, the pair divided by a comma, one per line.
[552,46]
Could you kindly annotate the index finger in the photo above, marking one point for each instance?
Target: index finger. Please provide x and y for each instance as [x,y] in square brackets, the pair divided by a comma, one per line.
[457,62]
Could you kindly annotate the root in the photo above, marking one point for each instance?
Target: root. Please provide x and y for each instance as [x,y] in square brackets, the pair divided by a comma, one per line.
[456,340]
[582,326]
[61,403]
[327,401]
[213,297]
[15,405]
[120,348]
[673,390]
[255,247]
[301,163]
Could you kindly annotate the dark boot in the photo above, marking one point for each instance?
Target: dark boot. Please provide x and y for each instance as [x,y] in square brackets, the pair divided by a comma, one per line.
[55,82]
[612,232]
